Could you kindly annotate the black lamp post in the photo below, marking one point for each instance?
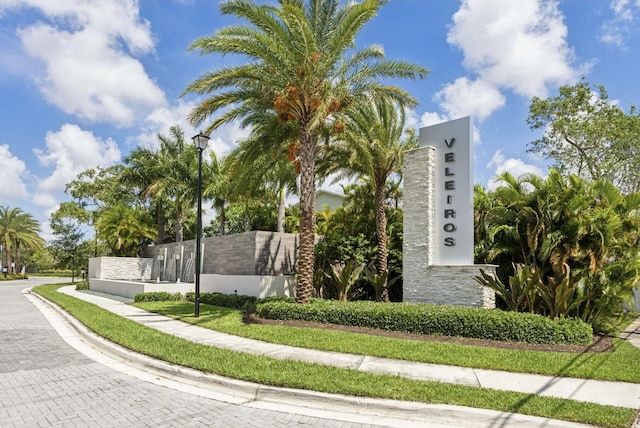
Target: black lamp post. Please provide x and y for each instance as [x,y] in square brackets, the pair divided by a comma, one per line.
[200,142]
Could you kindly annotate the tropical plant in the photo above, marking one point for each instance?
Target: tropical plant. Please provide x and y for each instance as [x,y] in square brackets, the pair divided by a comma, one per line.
[371,148]
[379,282]
[18,230]
[258,169]
[302,64]
[125,229]
[217,187]
[267,157]
[519,294]
[343,276]
[168,176]
[578,240]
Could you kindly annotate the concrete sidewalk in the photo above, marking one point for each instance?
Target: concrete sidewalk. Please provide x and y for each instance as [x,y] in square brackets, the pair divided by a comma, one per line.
[601,392]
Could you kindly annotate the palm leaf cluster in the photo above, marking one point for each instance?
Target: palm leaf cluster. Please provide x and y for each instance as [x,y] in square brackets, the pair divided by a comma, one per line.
[303,68]
[565,246]
[18,230]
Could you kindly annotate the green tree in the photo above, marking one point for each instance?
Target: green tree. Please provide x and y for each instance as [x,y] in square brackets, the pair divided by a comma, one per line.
[371,148]
[168,176]
[266,159]
[302,63]
[18,229]
[91,191]
[587,135]
[42,260]
[217,187]
[66,245]
[125,229]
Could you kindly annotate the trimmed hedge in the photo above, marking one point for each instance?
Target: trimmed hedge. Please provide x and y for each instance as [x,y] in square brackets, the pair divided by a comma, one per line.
[158,296]
[434,320]
[235,301]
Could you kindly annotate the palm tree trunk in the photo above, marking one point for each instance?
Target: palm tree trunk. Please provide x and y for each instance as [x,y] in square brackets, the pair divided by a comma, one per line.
[304,288]
[8,250]
[280,223]
[223,221]
[179,226]
[247,226]
[18,256]
[381,232]
[160,222]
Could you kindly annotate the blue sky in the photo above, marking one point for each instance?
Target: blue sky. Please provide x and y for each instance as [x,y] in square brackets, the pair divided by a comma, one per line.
[82,82]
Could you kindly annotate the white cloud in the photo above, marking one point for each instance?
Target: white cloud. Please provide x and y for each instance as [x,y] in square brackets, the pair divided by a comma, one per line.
[616,30]
[160,120]
[12,171]
[70,151]
[223,140]
[88,49]
[464,97]
[520,45]
[432,118]
[515,166]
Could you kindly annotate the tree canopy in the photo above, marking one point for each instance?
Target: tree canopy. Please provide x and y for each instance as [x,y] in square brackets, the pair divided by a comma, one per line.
[587,134]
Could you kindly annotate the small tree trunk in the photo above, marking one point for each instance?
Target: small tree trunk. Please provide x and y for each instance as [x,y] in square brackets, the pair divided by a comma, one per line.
[223,221]
[180,226]
[160,223]
[8,250]
[280,225]
[381,232]
[18,256]
[247,225]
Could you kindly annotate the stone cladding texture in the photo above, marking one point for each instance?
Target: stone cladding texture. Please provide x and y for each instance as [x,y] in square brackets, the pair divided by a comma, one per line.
[120,268]
[248,253]
[422,281]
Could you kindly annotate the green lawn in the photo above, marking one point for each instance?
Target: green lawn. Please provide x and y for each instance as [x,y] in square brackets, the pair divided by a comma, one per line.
[621,365]
[313,376]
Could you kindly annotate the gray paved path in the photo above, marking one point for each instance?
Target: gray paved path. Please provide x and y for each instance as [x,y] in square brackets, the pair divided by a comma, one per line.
[45,382]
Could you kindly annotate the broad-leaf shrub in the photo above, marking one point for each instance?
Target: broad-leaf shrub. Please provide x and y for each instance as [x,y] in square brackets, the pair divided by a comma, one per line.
[434,320]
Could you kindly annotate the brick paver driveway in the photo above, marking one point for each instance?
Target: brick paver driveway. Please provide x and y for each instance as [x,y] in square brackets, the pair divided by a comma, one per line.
[45,382]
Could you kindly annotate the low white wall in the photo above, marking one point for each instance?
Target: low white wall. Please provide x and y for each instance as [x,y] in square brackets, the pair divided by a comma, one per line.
[248,285]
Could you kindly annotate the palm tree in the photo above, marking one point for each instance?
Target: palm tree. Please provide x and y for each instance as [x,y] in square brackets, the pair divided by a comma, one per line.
[217,187]
[261,160]
[168,176]
[371,147]
[301,63]
[124,229]
[18,229]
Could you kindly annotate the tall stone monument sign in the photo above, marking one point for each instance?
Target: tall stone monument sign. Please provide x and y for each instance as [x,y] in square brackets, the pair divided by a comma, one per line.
[438,219]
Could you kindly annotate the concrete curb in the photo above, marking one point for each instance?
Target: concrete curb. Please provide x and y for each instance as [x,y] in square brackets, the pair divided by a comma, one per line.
[355,409]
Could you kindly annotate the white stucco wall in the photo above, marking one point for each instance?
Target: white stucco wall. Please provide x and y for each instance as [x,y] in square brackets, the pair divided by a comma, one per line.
[248,285]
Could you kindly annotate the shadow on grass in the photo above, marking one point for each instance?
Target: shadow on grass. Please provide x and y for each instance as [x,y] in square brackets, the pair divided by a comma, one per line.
[579,360]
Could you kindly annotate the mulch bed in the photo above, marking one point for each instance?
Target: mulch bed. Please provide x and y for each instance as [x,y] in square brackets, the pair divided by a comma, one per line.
[600,343]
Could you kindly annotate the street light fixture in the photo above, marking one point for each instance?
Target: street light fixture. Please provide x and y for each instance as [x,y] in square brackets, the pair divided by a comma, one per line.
[200,142]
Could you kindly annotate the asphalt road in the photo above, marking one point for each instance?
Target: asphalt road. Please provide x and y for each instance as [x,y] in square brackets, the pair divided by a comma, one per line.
[45,382]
